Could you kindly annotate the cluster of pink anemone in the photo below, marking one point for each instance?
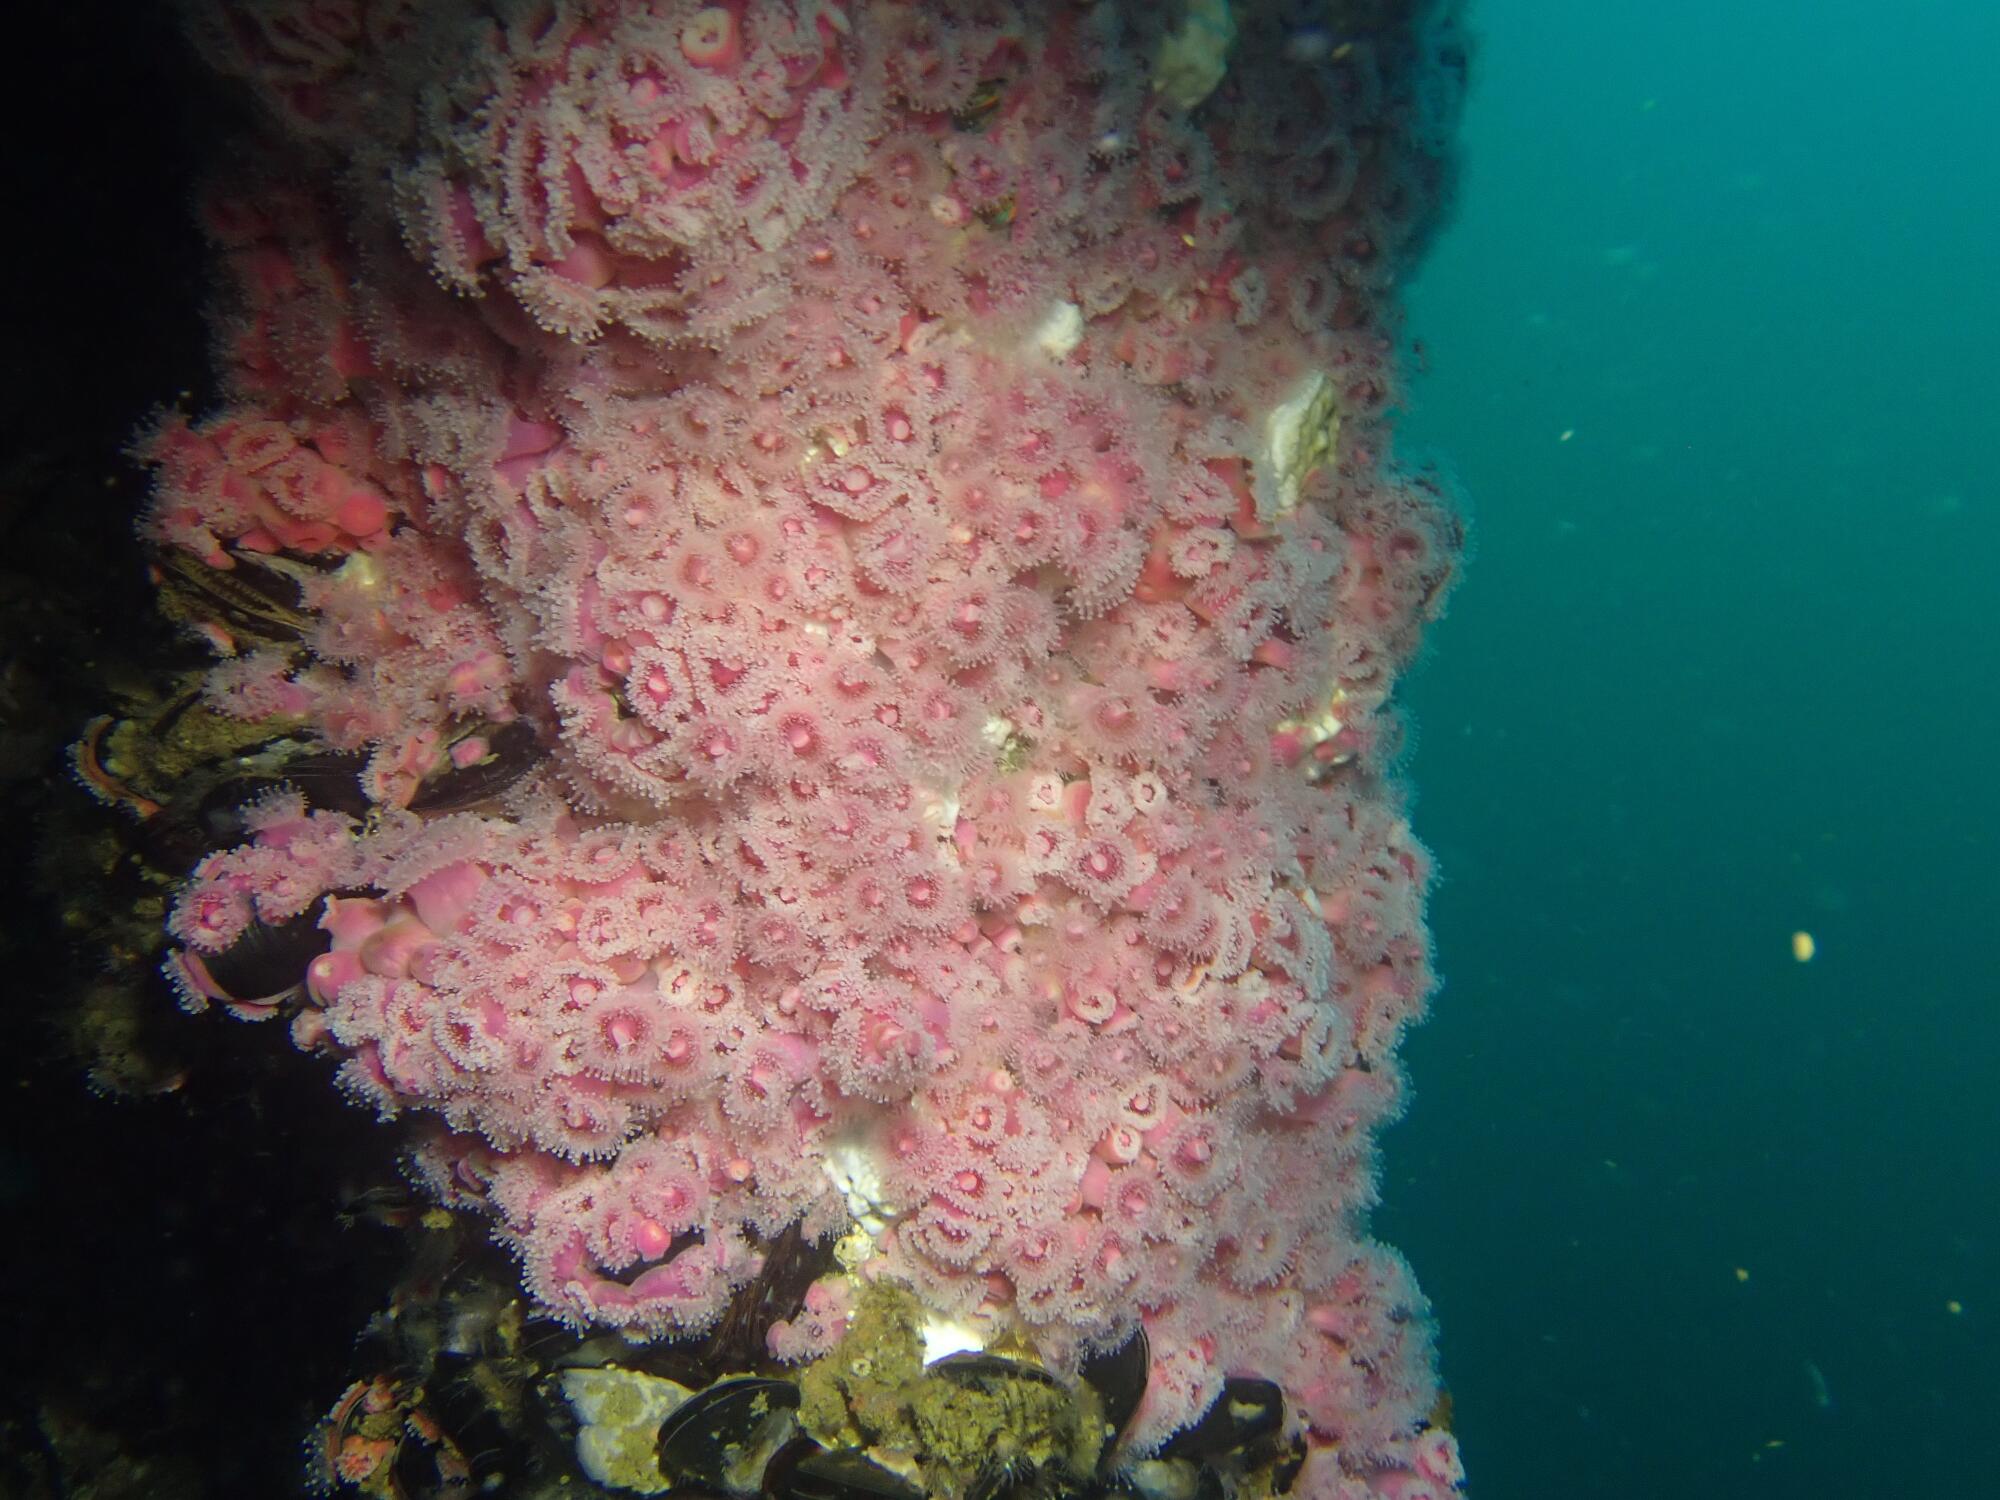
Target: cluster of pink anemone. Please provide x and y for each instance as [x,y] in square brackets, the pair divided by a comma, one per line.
[925,491]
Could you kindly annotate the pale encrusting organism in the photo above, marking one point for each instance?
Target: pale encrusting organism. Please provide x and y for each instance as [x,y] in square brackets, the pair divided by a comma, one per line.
[858,544]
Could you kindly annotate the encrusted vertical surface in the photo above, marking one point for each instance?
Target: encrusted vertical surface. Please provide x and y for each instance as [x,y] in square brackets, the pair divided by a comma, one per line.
[858,544]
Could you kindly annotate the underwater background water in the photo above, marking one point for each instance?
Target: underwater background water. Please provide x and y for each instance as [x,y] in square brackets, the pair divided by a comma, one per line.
[1711,344]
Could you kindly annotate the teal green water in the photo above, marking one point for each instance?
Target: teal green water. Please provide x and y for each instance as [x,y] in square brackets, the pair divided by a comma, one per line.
[1696,1216]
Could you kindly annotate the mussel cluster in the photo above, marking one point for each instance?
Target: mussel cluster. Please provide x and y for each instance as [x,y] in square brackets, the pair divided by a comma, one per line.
[188,774]
[740,1438]
[487,1401]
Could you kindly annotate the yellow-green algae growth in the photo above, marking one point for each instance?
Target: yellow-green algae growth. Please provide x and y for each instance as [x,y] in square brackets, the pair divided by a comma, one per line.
[872,1392]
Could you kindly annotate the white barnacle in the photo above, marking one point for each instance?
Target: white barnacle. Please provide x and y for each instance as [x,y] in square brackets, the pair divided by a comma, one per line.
[856,1174]
[1192,59]
[1060,331]
[1300,434]
[618,1416]
[939,808]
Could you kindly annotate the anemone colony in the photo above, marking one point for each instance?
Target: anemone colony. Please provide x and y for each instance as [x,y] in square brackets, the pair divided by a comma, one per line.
[851,549]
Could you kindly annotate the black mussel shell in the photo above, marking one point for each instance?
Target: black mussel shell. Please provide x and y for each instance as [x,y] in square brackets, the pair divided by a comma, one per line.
[778,1472]
[416,1472]
[841,1475]
[1247,1410]
[512,751]
[1285,1472]
[175,844]
[261,599]
[710,1432]
[1119,1378]
[552,1346]
[219,819]
[460,1402]
[266,961]
[329,780]
[220,816]
[792,1264]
